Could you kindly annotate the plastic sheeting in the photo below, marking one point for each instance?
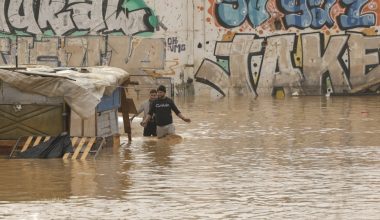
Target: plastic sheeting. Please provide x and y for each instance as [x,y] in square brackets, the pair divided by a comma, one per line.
[81,88]
[54,148]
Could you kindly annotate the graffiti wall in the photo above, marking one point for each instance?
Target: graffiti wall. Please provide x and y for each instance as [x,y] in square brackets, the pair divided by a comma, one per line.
[303,47]
[223,47]
[63,17]
[80,33]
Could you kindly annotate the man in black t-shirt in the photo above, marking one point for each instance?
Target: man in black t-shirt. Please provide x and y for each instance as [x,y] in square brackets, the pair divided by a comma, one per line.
[162,109]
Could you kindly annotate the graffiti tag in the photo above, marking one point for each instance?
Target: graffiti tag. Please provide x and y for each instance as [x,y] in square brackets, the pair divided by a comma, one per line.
[175,46]
[65,17]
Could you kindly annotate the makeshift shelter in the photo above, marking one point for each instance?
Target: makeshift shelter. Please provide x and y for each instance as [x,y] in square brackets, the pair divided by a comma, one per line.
[43,100]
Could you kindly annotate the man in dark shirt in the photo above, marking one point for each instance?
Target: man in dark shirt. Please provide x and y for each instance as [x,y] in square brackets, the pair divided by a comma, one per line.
[162,109]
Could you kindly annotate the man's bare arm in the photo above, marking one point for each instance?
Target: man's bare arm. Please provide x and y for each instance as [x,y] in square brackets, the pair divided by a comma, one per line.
[188,120]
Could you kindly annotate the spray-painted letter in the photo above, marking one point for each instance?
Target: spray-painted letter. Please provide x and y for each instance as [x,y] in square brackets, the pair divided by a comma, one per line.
[231,13]
[297,13]
[353,17]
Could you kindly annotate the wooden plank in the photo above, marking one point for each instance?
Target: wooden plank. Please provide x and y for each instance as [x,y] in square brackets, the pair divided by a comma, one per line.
[73,142]
[33,120]
[37,141]
[47,138]
[88,148]
[116,140]
[89,126]
[82,127]
[7,143]
[131,106]
[78,148]
[125,112]
[27,143]
[75,124]
[66,155]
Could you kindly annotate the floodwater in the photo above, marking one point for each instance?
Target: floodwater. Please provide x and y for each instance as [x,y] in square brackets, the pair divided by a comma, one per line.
[241,158]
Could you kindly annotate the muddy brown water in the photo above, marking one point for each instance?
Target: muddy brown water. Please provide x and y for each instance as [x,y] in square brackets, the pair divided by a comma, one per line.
[240,158]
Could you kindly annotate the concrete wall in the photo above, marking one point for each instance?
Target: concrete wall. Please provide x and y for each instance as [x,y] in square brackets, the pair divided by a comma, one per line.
[213,47]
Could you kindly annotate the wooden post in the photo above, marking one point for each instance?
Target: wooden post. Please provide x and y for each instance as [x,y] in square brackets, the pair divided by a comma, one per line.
[127,106]
[125,112]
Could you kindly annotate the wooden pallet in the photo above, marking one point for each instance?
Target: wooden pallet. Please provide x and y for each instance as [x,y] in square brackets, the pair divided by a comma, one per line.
[82,146]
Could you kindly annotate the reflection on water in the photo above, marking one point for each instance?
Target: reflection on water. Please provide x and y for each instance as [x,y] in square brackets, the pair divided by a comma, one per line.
[243,158]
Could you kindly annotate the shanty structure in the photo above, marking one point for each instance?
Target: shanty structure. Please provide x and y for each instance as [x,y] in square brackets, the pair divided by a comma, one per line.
[46,101]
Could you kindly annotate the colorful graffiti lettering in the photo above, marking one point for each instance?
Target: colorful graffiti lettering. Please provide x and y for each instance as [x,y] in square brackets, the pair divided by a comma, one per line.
[300,14]
[348,63]
[63,18]
[307,13]
[232,13]
[353,17]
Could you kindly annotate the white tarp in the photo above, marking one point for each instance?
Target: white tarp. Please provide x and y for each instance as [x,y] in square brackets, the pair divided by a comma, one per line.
[82,88]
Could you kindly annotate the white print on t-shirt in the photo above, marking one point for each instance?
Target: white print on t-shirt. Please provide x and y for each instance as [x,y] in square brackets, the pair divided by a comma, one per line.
[162,105]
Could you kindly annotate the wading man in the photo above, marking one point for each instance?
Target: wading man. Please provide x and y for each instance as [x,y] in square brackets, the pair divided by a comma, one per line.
[162,108]
[150,128]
